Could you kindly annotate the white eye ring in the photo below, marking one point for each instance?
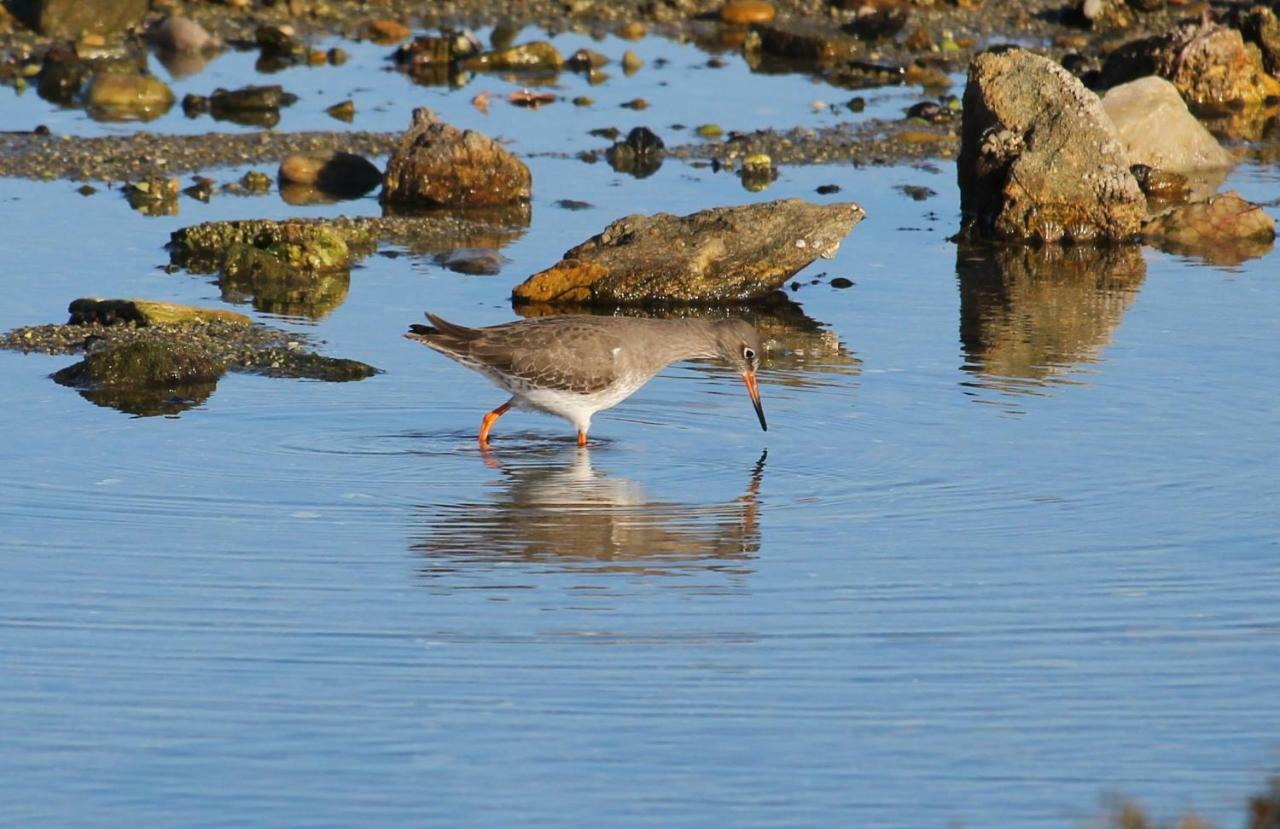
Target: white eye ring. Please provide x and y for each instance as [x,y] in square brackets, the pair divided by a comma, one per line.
[748,353]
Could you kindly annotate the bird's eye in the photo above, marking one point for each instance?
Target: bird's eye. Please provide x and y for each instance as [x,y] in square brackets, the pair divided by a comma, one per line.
[748,354]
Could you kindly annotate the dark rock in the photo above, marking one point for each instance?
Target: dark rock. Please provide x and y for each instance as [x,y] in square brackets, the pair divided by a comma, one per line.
[1161,186]
[142,312]
[343,111]
[915,192]
[1260,26]
[72,18]
[584,60]
[573,204]
[841,282]
[472,262]
[639,155]
[828,189]
[1071,183]
[726,254]
[437,165]
[62,74]
[339,174]
[873,22]
[806,44]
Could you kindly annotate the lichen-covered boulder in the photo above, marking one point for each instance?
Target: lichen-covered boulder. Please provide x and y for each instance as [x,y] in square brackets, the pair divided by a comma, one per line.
[1039,158]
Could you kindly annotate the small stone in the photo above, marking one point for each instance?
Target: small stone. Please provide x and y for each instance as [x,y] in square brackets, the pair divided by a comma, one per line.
[182,35]
[827,189]
[583,101]
[631,62]
[343,111]
[336,56]
[841,282]
[573,204]
[710,131]
[585,60]
[86,189]
[336,173]
[256,182]
[387,31]
[636,104]
[746,12]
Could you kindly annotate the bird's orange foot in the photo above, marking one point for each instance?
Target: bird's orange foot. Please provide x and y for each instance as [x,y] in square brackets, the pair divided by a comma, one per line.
[487,423]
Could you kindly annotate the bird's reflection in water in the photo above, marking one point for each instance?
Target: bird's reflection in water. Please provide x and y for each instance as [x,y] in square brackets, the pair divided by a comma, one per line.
[562,512]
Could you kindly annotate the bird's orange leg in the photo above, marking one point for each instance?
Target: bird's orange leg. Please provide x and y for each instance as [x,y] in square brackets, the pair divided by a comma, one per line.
[487,424]
[582,438]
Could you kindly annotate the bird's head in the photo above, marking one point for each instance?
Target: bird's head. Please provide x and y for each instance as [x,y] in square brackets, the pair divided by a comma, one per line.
[738,344]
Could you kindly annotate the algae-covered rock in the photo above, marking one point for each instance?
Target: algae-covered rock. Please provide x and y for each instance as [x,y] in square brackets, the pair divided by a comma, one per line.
[293,244]
[539,55]
[725,254]
[117,96]
[145,378]
[88,310]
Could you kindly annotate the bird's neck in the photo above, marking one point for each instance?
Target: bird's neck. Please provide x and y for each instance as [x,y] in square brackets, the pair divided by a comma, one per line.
[686,339]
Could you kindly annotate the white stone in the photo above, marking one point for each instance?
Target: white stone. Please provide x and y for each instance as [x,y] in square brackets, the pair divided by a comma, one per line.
[1157,129]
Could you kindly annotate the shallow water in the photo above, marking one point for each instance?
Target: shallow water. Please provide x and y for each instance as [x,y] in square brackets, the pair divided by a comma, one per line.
[1012,548]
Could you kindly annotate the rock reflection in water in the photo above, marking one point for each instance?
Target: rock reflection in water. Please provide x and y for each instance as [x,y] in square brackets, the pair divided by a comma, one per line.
[1033,315]
[799,349]
[559,509]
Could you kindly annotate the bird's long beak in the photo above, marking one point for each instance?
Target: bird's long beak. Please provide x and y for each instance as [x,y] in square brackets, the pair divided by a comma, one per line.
[754,391]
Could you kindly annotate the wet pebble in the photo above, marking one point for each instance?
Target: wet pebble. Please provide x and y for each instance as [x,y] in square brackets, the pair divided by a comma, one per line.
[631,62]
[637,104]
[573,204]
[745,12]
[841,282]
[343,111]
[828,189]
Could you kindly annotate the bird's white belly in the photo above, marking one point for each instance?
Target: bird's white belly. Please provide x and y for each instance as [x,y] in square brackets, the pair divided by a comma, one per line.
[575,407]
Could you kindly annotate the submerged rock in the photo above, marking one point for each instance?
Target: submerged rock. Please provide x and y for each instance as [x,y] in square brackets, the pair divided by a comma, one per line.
[1222,230]
[1070,183]
[168,365]
[62,74]
[1157,129]
[725,254]
[116,96]
[807,44]
[438,165]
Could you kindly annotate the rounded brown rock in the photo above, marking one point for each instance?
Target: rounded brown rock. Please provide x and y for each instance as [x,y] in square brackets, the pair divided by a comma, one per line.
[745,12]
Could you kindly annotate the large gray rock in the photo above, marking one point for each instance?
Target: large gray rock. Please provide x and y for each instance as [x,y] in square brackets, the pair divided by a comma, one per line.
[438,165]
[1158,130]
[1039,158]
